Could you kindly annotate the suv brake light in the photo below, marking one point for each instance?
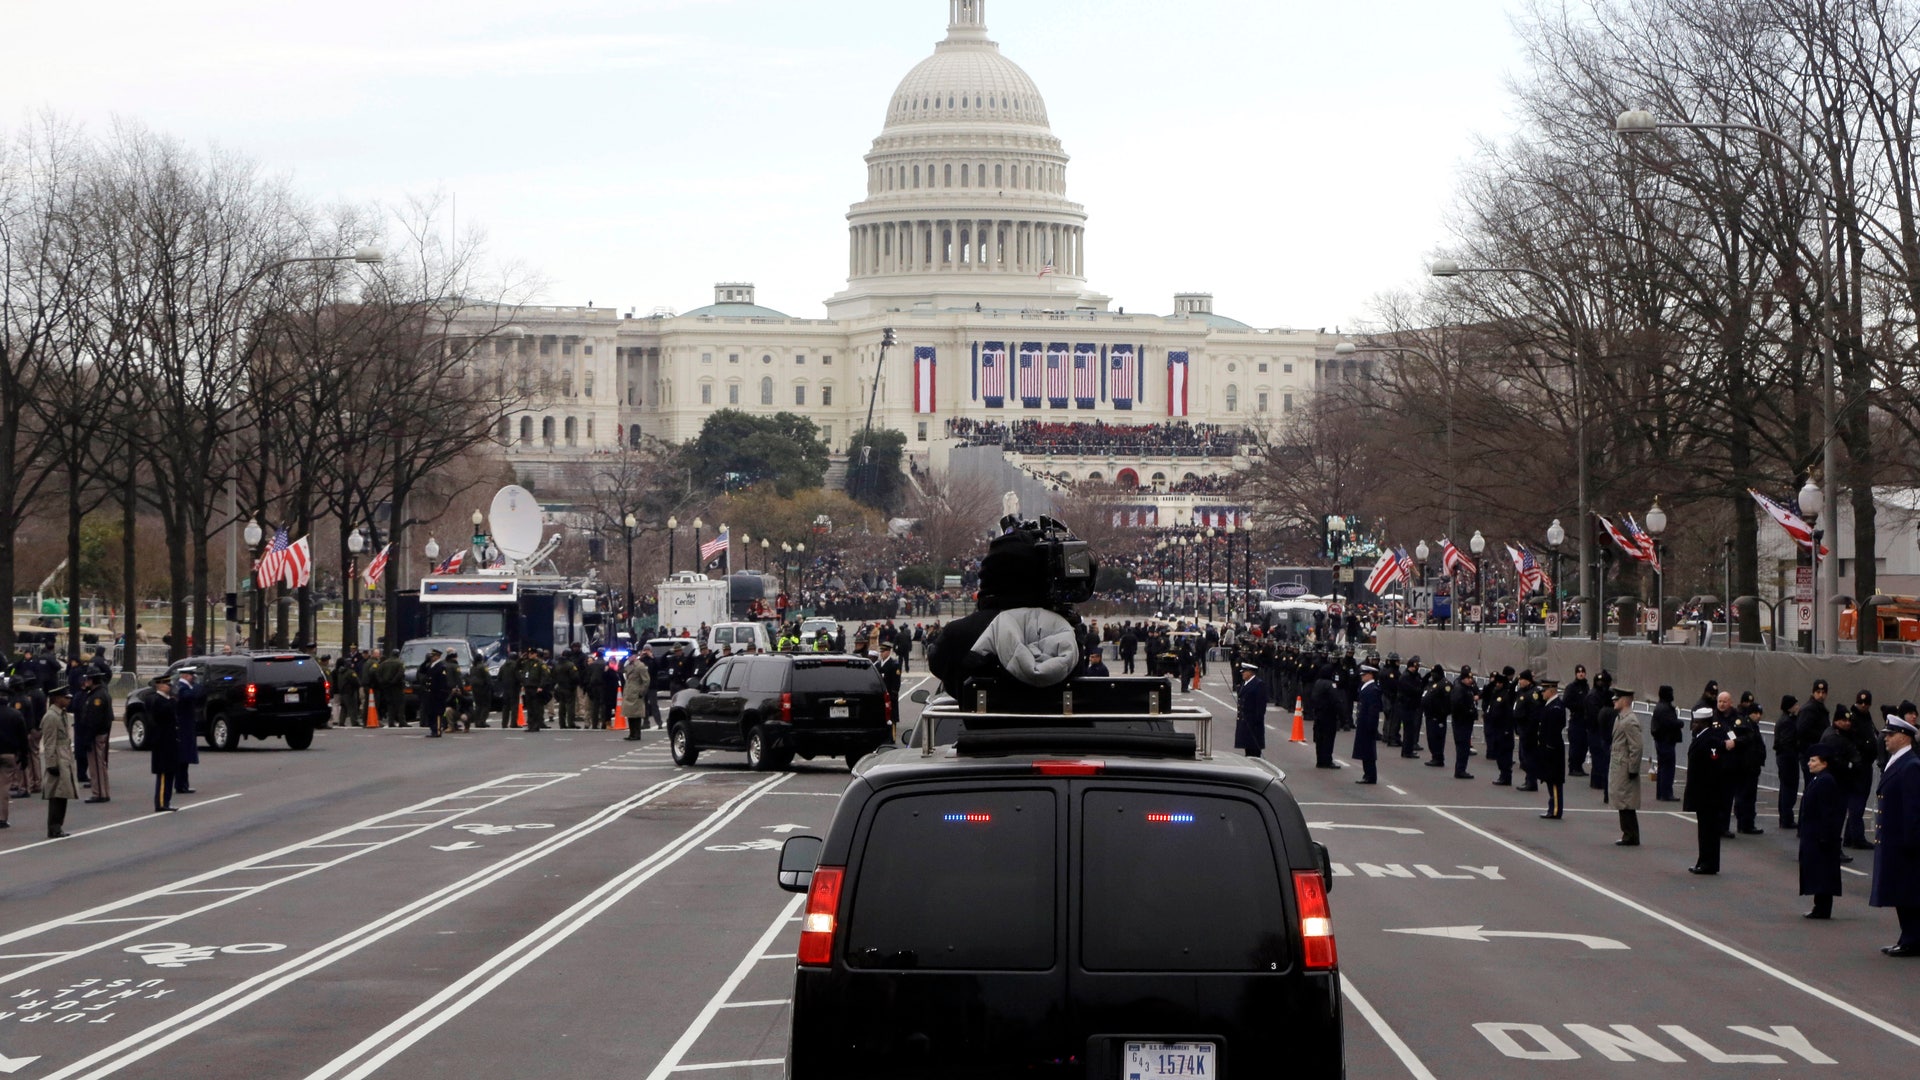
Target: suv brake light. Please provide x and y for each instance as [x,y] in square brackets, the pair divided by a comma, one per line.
[253,694]
[1316,920]
[786,708]
[823,906]
[886,705]
[1069,768]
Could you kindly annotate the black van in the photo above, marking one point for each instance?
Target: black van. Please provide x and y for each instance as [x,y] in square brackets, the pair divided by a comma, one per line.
[775,706]
[262,696]
[1115,908]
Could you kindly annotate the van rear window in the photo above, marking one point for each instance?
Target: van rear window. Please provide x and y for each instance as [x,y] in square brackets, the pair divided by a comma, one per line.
[962,881]
[836,679]
[1178,883]
[282,672]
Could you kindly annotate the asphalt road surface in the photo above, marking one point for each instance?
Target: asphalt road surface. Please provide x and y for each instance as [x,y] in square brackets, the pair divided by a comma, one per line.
[506,905]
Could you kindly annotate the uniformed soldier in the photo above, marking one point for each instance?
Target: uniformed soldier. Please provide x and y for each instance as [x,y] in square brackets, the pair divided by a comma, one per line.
[390,686]
[592,685]
[346,689]
[458,714]
[481,685]
[536,689]
[97,711]
[566,686]
[431,685]
[507,690]
[1367,724]
[1407,708]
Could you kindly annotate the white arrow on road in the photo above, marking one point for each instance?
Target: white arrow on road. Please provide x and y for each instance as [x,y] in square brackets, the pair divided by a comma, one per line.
[1475,933]
[1375,828]
[14,1065]
[461,846]
[783,828]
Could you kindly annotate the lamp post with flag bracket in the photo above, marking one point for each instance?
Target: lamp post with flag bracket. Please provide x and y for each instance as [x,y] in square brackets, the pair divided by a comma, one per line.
[1478,545]
[1421,552]
[1812,502]
[257,607]
[1557,535]
[1657,524]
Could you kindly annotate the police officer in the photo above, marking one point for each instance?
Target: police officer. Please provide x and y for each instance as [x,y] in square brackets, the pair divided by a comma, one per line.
[507,689]
[566,686]
[93,732]
[1709,794]
[890,675]
[536,689]
[1406,709]
[188,702]
[1550,760]
[163,720]
[430,683]
[1324,705]
[1366,726]
[1527,705]
[1436,704]
[346,689]
[1463,707]
[1498,701]
[1250,723]
[390,683]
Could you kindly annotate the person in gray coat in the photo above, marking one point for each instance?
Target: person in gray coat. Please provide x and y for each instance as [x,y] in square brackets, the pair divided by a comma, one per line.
[56,754]
[1628,755]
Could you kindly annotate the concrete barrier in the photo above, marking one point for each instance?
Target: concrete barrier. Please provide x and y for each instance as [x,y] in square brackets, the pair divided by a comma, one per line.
[1645,668]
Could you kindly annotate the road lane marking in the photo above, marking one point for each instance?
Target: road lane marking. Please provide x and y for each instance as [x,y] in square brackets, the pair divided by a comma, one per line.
[175,888]
[1401,1050]
[1396,791]
[170,1030]
[1714,943]
[678,1052]
[755,1064]
[450,1002]
[756,1004]
[117,824]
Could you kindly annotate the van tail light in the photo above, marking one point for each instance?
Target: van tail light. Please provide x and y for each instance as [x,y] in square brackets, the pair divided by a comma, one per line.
[253,694]
[818,924]
[1069,768]
[786,708]
[1316,920]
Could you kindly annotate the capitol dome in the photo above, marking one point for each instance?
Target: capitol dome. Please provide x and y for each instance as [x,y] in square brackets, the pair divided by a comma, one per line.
[966,191]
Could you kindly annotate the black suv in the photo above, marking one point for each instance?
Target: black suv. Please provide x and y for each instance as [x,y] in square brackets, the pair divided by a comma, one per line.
[1090,902]
[264,695]
[774,707]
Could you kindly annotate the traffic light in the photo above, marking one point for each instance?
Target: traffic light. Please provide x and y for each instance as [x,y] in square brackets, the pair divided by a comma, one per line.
[233,607]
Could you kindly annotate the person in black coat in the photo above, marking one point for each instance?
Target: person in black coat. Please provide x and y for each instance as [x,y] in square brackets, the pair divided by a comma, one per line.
[1667,732]
[188,702]
[1463,705]
[1435,704]
[1129,647]
[1406,709]
[1822,814]
[1709,786]
[1250,726]
[1366,726]
[1786,758]
[162,743]
[1896,861]
[1750,760]
[1868,751]
[1550,740]
[1498,703]
[1811,722]
[1527,705]
[1599,715]
[1324,705]
[1576,705]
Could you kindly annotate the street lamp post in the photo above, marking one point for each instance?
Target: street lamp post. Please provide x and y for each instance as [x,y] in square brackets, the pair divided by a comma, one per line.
[1420,554]
[1635,122]
[1210,537]
[350,631]
[1160,559]
[256,632]
[630,523]
[766,553]
[1336,539]
[746,556]
[699,561]
[673,529]
[1479,547]
[1813,503]
[1556,535]
[1231,606]
[1248,580]
[1657,524]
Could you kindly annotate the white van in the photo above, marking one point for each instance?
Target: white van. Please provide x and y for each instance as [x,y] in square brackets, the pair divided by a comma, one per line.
[734,637]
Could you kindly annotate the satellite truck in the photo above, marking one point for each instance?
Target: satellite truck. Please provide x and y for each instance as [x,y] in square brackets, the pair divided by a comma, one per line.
[511,607]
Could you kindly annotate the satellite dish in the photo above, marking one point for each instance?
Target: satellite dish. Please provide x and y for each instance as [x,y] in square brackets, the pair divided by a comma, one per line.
[515,520]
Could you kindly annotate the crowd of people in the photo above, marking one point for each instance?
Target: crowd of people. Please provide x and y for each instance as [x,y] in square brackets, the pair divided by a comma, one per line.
[1171,439]
[1537,733]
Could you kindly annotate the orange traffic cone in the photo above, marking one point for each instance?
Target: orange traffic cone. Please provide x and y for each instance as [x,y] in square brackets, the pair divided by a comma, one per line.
[1299,723]
[619,717]
[523,715]
[373,715]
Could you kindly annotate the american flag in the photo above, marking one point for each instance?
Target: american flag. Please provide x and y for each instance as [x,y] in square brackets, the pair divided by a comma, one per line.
[1123,370]
[1527,571]
[1627,544]
[1030,361]
[1454,561]
[377,567]
[1086,376]
[993,374]
[1057,378]
[272,565]
[1047,269]
[1648,552]
[1405,562]
[716,547]
[1796,527]
[453,564]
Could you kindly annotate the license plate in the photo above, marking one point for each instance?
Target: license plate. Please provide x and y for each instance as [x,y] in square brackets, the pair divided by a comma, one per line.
[1150,1060]
[838,712]
[293,695]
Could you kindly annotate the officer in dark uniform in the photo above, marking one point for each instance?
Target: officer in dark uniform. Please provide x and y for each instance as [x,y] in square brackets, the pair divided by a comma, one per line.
[1498,701]
[1324,705]
[162,744]
[1406,709]
[536,689]
[1389,699]
[890,675]
[566,686]
[1600,714]
[1550,737]
[1576,700]
[1708,794]
[430,682]
[1463,705]
[1436,704]
[1527,703]
[1367,724]
[1750,760]
[507,690]
[93,731]
[482,684]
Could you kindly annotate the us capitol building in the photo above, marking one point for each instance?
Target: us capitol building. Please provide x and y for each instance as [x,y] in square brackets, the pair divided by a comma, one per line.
[968,248]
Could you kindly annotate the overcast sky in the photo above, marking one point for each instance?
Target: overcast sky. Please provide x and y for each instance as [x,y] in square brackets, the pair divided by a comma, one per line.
[1294,159]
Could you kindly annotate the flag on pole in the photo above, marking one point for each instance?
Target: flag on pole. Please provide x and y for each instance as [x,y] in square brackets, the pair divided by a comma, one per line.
[1796,527]
[377,567]
[1405,562]
[272,565]
[1047,269]
[1648,552]
[715,547]
[1454,561]
[297,564]
[1384,573]
[1626,543]
[453,564]
[1526,570]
